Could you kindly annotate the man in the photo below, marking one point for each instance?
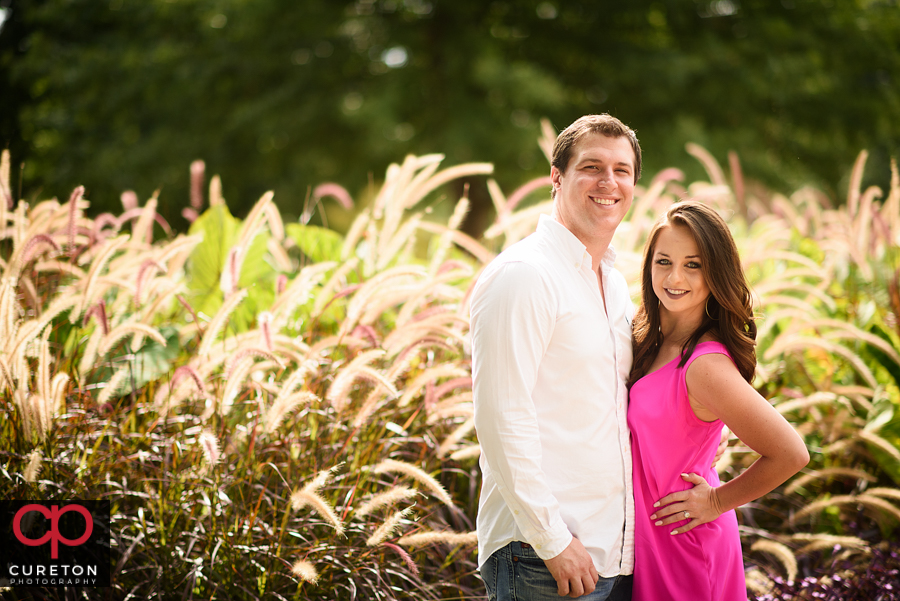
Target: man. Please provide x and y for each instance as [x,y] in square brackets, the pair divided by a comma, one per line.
[551,352]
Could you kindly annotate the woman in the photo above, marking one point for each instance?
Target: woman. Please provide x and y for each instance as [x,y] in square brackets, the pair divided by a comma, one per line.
[694,357]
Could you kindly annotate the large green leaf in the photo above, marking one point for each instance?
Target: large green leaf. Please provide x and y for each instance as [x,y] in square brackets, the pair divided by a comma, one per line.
[318,244]
[221,231]
[204,268]
[154,359]
[149,363]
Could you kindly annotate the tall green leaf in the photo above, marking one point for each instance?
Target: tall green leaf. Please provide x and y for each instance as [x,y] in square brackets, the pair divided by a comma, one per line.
[221,231]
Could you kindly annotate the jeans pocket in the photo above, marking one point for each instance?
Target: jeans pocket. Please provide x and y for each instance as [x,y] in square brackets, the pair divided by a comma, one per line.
[529,556]
[489,576]
[533,576]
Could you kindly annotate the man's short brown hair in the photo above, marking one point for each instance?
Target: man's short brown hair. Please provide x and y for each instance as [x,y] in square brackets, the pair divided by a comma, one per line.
[593,124]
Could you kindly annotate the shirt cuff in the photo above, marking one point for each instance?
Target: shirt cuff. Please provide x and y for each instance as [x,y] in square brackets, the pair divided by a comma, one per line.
[551,543]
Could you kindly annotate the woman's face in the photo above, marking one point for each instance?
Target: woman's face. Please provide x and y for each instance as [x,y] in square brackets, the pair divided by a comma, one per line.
[677,274]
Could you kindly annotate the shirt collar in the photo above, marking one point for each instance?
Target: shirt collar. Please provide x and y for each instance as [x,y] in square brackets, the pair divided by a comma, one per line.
[569,244]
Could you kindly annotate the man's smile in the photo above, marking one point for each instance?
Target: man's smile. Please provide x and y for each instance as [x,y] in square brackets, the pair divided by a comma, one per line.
[603,201]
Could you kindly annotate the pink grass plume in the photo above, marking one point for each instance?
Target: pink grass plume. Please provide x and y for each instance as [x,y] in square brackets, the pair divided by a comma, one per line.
[99,312]
[148,264]
[516,197]
[186,371]
[129,200]
[366,332]
[76,196]
[5,188]
[198,175]
[30,246]
[407,559]
[136,212]
[104,220]
[335,191]
[189,214]
[265,326]
[281,284]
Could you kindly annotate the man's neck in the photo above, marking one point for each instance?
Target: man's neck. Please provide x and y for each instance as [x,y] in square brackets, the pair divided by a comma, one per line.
[596,246]
[597,251]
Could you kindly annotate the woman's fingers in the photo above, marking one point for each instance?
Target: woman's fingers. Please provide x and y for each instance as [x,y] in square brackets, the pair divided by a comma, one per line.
[687,527]
[692,504]
[694,478]
[675,497]
[673,513]
[683,495]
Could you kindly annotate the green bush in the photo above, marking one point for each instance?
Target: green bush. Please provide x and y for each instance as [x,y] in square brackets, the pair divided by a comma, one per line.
[283,412]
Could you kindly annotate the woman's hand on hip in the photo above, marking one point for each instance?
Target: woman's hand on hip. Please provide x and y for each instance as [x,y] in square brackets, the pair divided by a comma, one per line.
[699,504]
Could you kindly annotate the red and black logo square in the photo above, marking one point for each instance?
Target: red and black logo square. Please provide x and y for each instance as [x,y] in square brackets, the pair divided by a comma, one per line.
[54,543]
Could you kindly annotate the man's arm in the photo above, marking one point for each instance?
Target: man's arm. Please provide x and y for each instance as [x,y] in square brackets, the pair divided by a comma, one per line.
[513,315]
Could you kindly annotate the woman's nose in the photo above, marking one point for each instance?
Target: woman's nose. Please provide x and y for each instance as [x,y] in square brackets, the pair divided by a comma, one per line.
[675,275]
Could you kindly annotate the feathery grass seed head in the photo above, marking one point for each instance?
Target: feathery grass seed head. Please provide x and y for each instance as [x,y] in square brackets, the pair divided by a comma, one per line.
[283,406]
[309,496]
[209,444]
[387,528]
[422,539]
[401,467]
[385,499]
[305,571]
[780,552]
[33,469]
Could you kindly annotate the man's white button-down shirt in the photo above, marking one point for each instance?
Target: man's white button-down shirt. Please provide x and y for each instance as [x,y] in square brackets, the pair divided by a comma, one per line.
[550,366]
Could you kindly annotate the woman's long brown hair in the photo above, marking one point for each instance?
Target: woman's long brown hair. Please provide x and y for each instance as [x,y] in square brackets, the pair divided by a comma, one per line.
[730,308]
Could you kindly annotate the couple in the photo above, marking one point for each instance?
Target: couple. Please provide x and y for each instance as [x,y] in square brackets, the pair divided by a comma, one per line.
[555,349]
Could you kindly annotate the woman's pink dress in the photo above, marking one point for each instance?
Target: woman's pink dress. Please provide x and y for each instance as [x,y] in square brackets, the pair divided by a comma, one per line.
[704,564]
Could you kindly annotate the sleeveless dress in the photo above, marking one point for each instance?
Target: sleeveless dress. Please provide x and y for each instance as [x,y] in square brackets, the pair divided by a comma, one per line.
[704,564]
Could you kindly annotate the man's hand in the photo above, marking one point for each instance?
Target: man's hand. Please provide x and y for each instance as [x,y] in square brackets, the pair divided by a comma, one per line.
[723,446]
[573,570]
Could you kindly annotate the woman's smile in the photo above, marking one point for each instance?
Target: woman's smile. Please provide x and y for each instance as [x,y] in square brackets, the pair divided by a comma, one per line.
[677,274]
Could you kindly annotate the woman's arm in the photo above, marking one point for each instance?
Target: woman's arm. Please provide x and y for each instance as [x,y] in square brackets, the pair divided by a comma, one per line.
[714,382]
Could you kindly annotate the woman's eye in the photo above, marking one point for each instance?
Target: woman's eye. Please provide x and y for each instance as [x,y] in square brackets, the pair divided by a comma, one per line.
[662,261]
[693,265]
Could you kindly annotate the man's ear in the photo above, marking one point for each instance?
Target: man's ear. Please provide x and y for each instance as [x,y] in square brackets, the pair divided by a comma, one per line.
[555,175]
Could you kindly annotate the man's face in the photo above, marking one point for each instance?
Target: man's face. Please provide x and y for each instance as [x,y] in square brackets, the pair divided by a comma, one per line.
[596,190]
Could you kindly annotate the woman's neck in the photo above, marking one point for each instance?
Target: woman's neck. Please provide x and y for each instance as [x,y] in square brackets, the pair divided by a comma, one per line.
[677,330]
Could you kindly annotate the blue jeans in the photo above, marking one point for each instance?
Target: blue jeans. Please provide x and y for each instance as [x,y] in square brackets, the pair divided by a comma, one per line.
[516,573]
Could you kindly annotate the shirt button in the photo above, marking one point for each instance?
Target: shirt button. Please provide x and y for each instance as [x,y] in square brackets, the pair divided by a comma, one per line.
[537,546]
[516,512]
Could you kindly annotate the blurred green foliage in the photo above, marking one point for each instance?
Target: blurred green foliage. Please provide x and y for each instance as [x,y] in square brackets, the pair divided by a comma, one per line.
[285,94]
